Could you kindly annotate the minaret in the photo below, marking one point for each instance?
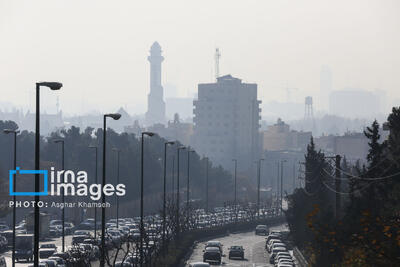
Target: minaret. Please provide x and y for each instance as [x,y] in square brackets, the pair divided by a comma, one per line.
[155,100]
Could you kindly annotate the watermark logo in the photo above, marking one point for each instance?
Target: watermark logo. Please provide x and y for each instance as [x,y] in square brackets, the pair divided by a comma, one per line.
[67,182]
[43,173]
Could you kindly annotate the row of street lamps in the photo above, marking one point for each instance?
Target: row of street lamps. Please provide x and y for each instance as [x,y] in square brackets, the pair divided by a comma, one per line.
[114,116]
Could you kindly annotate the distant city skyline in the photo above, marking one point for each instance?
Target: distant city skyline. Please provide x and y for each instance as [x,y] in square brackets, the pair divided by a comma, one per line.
[103,62]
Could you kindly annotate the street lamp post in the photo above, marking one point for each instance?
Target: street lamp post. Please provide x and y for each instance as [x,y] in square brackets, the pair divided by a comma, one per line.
[114,116]
[207,185]
[14,132]
[165,189]
[177,194]
[235,190]
[61,141]
[188,182]
[141,196]
[173,178]
[281,198]
[116,150]
[52,86]
[258,186]
[95,209]
[277,183]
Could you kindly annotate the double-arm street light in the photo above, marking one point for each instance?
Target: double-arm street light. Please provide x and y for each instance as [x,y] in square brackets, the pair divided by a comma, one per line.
[118,151]
[141,196]
[258,185]
[114,116]
[188,181]
[95,175]
[14,132]
[206,185]
[235,191]
[52,86]
[61,141]
[173,178]
[281,198]
[177,194]
[166,144]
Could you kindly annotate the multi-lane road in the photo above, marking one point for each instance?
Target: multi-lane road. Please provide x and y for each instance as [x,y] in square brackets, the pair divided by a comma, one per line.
[254,245]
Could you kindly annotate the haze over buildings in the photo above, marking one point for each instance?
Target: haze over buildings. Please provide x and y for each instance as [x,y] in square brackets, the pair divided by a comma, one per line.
[101,54]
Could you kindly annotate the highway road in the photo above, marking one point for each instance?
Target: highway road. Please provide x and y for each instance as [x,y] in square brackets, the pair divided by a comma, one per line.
[254,245]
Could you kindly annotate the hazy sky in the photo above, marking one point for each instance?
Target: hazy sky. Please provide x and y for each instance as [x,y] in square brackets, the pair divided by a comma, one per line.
[99,49]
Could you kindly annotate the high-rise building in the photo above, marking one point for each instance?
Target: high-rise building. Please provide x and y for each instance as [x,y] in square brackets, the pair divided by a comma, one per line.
[155,100]
[226,122]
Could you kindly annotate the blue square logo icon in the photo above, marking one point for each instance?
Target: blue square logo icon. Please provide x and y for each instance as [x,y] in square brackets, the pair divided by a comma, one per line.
[44,174]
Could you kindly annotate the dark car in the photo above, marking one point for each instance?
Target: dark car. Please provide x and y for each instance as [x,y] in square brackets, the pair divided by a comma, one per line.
[77,239]
[47,250]
[212,254]
[216,244]
[2,262]
[262,230]
[236,252]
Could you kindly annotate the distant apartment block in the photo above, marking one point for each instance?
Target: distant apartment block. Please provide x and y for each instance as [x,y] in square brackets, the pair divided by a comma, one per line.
[279,137]
[226,122]
[352,145]
[174,130]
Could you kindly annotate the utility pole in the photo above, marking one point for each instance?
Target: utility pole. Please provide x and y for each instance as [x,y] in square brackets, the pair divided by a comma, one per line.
[337,185]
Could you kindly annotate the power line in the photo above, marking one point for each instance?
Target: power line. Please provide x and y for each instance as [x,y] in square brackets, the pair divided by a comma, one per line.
[363,178]
[346,193]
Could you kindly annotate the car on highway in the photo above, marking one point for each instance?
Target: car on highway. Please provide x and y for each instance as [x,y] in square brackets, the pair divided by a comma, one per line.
[60,262]
[282,256]
[55,222]
[236,252]
[50,263]
[123,264]
[271,237]
[274,253]
[199,264]
[63,255]
[3,262]
[275,243]
[212,254]
[41,264]
[69,228]
[216,244]
[24,247]
[4,227]
[285,262]
[261,230]
[47,250]
[3,243]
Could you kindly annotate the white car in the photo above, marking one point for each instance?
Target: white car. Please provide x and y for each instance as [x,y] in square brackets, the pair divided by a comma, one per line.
[199,264]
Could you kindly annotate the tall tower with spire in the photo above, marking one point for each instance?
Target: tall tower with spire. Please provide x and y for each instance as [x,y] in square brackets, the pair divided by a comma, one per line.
[155,100]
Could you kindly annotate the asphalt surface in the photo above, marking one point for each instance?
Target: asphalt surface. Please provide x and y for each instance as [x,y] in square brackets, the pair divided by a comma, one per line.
[254,253]
[254,245]
[58,242]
